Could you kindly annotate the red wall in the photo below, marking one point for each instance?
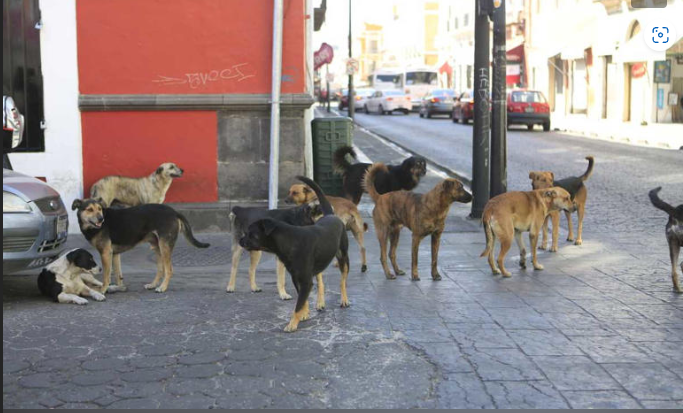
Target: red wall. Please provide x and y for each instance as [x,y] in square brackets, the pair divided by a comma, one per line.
[186,46]
[136,143]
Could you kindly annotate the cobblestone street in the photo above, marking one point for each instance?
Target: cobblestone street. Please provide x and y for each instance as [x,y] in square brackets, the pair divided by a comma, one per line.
[599,327]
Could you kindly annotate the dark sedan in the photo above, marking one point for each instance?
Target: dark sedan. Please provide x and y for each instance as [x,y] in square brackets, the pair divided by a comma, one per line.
[437,102]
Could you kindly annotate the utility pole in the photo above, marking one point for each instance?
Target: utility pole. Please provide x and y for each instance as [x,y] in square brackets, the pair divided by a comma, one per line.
[499,118]
[352,108]
[482,120]
[327,86]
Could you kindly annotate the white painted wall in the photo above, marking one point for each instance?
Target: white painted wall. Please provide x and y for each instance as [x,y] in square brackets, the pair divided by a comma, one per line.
[62,161]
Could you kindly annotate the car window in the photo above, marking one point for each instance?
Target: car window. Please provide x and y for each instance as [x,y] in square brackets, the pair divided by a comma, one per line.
[443,92]
[393,93]
[528,97]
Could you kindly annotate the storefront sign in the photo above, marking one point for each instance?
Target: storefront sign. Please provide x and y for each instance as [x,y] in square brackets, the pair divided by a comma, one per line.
[324,55]
[638,70]
[663,71]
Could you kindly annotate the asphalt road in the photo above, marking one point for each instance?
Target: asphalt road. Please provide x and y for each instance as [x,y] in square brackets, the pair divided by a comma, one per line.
[623,174]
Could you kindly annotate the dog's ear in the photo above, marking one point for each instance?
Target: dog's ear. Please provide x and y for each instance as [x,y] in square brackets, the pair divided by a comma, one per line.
[448,185]
[101,202]
[550,194]
[71,256]
[267,226]
[307,190]
[552,176]
[160,170]
[532,175]
[76,204]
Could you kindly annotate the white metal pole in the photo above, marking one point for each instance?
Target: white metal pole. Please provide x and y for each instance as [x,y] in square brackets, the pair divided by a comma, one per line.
[273,178]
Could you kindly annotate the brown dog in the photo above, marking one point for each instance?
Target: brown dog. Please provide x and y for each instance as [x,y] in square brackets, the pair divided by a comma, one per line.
[346,210]
[422,214]
[508,215]
[578,192]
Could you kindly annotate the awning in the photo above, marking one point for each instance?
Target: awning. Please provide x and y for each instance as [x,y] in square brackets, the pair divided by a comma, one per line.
[635,50]
[516,54]
[445,68]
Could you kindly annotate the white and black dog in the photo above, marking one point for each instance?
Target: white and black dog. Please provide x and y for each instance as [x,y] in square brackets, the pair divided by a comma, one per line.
[64,280]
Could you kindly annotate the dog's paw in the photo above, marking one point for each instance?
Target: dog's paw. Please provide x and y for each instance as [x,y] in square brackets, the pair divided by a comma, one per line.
[436,277]
[345,303]
[415,277]
[256,289]
[553,249]
[284,296]
[495,271]
[578,242]
[117,289]
[570,239]
[390,276]
[507,274]
[150,286]
[97,296]
[228,289]
[290,328]
[538,267]
[522,264]
[80,301]
[320,306]
[400,272]
[160,289]
[363,268]
[542,247]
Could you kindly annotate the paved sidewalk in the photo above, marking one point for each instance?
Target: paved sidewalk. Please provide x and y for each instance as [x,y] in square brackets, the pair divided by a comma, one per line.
[599,327]
[660,135]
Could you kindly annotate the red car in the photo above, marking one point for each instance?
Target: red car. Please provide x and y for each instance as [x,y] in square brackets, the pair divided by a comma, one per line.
[528,107]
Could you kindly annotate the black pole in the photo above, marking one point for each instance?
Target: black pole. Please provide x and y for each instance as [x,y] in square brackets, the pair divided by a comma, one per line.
[327,83]
[482,120]
[352,106]
[499,116]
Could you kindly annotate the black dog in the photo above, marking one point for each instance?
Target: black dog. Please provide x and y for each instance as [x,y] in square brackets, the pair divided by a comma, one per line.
[405,176]
[674,232]
[113,231]
[305,251]
[241,218]
[66,279]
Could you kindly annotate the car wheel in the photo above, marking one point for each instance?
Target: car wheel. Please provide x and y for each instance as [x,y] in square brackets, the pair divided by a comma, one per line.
[429,114]
[406,112]
[422,115]
[530,127]
[381,110]
[454,118]
[546,126]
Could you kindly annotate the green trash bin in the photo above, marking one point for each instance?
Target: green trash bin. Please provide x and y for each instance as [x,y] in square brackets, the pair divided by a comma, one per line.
[329,134]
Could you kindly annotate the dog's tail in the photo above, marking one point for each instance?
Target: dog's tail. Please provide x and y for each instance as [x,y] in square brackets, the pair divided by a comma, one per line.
[489,237]
[324,203]
[187,231]
[589,171]
[658,203]
[369,179]
[339,161]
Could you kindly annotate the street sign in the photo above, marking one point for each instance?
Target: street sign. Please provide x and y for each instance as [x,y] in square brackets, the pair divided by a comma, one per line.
[351,66]
[329,77]
[323,56]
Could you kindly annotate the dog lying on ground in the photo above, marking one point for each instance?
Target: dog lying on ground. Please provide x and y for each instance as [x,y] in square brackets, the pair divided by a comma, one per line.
[674,232]
[305,251]
[240,220]
[578,192]
[422,214]
[113,231]
[150,189]
[343,208]
[64,280]
[507,215]
[405,176]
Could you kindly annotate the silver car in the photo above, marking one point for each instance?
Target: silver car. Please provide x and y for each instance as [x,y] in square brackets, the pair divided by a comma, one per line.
[34,223]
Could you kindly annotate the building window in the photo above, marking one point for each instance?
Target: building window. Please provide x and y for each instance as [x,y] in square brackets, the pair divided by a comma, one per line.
[22,77]
[373,47]
[466,20]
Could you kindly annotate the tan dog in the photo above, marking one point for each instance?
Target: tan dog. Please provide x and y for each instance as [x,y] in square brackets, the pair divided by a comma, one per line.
[422,214]
[507,215]
[579,194]
[150,189]
[346,210]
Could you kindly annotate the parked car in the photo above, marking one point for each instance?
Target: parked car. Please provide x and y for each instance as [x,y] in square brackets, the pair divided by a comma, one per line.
[528,107]
[385,102]
[34,219]
[437,102]
[343,97]
[361,98]
[463,107]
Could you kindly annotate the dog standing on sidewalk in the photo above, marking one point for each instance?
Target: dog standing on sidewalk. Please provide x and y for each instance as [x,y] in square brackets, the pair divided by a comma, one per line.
[422,214]
[346,210]
[579,194]
[674,232]
[507,215]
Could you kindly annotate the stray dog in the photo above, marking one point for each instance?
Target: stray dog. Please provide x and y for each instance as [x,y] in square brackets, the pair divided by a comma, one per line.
[674,232]
[150,189]
[64,280]
[305,251]
[343,208]
[508,215]
[240,220]
[579,193]
[422,214]
[113,231]
[405,176]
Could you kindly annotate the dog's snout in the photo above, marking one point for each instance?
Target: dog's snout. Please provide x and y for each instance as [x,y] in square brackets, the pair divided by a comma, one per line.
[100,218]
[288,200]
